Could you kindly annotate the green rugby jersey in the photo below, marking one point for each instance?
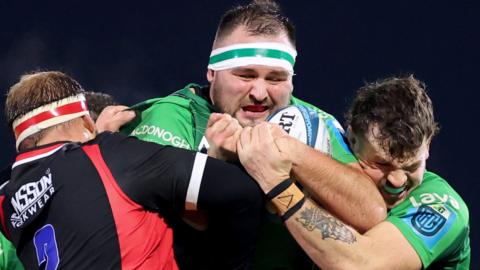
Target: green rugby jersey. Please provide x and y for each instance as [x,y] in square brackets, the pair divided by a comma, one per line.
[8,255]
[180,120]
[435,220]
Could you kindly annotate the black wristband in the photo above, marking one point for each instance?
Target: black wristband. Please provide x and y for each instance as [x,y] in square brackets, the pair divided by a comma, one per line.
[279,188]
[293,210]
[283,196]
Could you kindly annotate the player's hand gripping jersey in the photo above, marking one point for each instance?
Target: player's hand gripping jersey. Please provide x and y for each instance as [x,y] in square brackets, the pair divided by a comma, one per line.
[106,204]
[180,120]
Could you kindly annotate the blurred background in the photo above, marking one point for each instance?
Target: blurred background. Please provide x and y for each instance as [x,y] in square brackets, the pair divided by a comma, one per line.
[136,50]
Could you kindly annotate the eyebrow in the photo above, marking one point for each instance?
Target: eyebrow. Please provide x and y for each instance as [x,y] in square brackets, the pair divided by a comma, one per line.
[271,73]
[244,69]
[412,166]
[278,73]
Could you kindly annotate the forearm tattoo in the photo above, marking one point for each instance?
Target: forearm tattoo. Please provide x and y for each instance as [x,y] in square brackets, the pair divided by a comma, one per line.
[330,227]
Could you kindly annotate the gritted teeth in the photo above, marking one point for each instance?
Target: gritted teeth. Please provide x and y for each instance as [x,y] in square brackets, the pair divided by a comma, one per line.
[255,108]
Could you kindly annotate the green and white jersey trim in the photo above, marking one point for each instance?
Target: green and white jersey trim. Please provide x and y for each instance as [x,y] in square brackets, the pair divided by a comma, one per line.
[244,54]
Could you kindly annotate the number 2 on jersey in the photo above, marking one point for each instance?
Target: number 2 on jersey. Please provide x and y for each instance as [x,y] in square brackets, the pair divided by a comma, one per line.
[46,247]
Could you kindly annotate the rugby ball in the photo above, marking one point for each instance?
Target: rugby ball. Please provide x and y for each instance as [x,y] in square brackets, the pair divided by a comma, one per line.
[303,124]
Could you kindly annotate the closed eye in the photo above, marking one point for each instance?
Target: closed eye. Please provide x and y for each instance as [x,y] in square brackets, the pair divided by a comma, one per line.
[413,167]
[276,79]
[246,76]
[382,164]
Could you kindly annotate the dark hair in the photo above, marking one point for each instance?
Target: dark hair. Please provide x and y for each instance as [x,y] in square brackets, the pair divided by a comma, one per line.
[35,90]
[402,111]
[260,17]
[97,101]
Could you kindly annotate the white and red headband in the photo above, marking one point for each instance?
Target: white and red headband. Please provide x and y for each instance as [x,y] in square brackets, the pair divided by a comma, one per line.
[49,115]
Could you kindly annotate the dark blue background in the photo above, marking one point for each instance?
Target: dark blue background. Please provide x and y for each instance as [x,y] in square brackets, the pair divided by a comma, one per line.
[140,49]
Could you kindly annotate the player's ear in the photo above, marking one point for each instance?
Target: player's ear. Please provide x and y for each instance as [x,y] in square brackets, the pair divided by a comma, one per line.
[210,75]
[350,137]
[88,124]
[428,148]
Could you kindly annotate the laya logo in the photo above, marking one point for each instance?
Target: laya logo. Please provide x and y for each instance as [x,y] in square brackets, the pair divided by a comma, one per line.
[30,198]
[428,220]
[429,198]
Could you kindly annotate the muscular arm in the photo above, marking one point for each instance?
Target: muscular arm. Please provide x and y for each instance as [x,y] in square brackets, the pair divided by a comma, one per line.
[333,245]
[169,180]
[232,199]
[417,231]
[342,189]
[326,239]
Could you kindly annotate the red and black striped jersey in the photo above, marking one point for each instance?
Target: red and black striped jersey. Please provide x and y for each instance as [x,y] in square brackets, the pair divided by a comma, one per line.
[107,204]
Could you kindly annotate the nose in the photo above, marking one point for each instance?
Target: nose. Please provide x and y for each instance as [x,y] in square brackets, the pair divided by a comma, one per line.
[397,178]
[259,91]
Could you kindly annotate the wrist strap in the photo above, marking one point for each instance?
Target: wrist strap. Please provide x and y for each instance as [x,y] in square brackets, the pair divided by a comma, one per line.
[287,198]
[279,188]
[293,210]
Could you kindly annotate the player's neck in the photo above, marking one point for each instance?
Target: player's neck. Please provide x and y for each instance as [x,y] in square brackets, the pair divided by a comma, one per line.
[73,133]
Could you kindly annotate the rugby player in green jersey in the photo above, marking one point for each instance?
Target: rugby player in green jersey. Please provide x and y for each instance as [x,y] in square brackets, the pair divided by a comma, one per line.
[390,127]
[250,76]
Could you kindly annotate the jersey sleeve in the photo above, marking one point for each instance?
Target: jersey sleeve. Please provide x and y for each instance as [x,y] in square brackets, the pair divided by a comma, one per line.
[166,122]
[160,176]
[339,149]
[168,180]
[434,220]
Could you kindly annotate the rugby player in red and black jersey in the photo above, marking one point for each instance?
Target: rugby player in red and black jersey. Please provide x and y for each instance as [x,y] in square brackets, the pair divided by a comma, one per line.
[76,200]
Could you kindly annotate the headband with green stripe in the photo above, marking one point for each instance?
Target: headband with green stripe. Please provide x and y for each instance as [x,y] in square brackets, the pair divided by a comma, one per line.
[244,54]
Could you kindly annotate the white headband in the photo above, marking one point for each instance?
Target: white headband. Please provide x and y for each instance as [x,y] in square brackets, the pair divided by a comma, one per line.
[244,54]
[49,115]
